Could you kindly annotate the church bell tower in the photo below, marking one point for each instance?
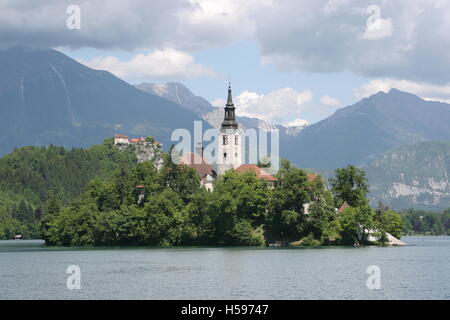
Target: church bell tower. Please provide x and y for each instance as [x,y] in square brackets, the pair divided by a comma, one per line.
[230,140]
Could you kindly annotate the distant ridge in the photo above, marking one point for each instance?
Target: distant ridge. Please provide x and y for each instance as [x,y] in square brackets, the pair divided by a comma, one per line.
[412,176]
[358,133]
[49,98]
[180,94]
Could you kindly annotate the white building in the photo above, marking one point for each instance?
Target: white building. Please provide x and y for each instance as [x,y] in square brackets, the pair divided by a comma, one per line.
[121,139]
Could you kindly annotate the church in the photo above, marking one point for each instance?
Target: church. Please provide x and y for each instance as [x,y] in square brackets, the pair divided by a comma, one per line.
[229,144]
[229,152]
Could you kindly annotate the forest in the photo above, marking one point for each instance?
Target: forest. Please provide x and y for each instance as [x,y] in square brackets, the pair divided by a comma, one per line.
[30,176]
[103,197]
[423,222]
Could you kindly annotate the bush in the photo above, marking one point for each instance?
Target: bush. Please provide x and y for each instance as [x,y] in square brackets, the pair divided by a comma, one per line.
[309,241]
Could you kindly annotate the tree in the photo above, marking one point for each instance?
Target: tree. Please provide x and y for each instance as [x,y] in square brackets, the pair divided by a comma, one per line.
[8,226]
[126,226]
[389,221]
[350,185]
[180,178]
[104,193]
[51,210]
[146,175]
[356,225]
[319,223]
[122,184]
[290,222]
[23,213]
[165,219]
[249,194]
[200,228]
[446,221]
[74,226]
[287,201]
[292,188]
[292,192]
[239,200]
[426,222]
[243,234]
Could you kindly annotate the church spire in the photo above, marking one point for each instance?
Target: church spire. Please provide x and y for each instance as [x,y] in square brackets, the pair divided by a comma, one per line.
[230,98]
[229,121]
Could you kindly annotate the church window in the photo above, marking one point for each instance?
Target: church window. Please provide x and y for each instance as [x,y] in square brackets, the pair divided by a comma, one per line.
[224,140]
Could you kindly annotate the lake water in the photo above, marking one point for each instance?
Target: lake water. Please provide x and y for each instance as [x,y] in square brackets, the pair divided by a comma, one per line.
[418,271]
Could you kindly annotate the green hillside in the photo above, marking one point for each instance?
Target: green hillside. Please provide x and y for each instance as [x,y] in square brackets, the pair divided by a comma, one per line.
[90,198]
[31,175]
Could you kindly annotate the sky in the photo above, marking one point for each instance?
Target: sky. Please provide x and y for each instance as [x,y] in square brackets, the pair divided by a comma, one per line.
[289,61]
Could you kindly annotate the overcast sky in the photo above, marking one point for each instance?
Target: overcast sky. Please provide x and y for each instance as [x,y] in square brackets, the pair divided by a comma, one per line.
[289,60]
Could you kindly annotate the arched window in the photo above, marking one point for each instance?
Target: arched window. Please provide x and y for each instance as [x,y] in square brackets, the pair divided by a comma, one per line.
[224,140]
[225,155]
[236,140]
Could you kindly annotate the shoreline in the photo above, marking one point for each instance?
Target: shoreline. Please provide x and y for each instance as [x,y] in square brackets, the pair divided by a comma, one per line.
[38,243]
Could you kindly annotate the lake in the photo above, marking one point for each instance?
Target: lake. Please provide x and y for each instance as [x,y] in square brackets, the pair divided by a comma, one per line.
[418,271]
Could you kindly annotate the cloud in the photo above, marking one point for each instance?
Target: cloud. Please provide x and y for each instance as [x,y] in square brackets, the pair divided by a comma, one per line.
[409,39]
[424,90]
[104,24]
[217,22]
[161,63]
[128,25]
[283,106]
[330,102]
[278,106]
[219,102]
[297,123]
[379,29]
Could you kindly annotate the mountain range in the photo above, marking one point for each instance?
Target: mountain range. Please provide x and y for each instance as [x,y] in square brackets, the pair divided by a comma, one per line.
[178,93]
[353,135]
[49,98]
[359,133]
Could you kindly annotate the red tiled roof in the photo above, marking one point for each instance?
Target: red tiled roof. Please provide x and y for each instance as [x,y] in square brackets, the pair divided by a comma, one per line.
[343,207]
[260,173]
[196,162]
[134,140]
[141,186]
[311,177]
[120,136]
